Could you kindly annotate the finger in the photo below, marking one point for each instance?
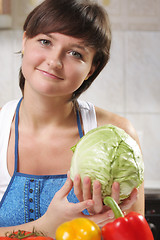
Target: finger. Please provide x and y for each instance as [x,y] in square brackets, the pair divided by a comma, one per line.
[77,188]
[79,207]
[115,191]
[87,188]
[127,203]
[101,224]
[66,188]
[102,218]
[97,197]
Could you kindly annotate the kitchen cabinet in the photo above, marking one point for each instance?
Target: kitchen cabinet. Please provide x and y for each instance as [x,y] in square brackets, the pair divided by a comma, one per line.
[152,211]
[5,14]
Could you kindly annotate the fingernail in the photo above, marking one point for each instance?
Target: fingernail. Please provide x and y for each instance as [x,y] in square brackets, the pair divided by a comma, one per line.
[90,203]
[97,184]
[86,180]
[116,185]
[68,174]
[77,177]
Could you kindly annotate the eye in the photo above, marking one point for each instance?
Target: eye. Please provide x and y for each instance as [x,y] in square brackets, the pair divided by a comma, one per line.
[45,42]
[76,54]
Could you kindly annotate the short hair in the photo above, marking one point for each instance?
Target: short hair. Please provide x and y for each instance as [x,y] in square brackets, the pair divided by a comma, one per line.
[83,19]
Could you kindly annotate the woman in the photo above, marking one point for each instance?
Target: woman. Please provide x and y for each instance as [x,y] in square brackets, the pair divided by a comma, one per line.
[65,46]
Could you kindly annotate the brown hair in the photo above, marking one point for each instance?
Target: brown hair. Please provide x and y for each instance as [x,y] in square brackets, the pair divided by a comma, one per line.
[77,18]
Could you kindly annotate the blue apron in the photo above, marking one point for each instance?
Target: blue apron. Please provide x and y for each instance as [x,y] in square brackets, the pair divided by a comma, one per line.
[28,196]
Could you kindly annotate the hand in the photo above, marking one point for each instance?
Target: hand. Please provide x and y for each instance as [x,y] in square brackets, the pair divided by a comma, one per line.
[107,216]
[128,202]
[102,213]
[60,210]
[84,193]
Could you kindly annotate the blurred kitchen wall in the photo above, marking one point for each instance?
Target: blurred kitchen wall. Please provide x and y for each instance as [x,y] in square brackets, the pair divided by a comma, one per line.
[130,83]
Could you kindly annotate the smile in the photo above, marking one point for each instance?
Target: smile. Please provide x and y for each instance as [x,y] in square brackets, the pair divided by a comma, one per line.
[47,74]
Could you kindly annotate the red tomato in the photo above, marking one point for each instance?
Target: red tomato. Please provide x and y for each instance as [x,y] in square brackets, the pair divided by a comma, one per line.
[25,235]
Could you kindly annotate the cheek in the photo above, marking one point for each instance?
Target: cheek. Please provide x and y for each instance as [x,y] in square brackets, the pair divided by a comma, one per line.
[77,72]
[31,58]
[29,62]
[76,79]
[26,67]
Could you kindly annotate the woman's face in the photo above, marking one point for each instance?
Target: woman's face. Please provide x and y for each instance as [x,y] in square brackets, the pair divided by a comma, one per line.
[55,64]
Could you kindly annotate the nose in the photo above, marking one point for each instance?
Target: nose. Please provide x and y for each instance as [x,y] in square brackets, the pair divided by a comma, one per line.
[55,61]
[55,64]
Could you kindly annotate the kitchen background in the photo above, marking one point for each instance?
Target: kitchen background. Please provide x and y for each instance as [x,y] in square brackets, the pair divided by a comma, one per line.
[130,83]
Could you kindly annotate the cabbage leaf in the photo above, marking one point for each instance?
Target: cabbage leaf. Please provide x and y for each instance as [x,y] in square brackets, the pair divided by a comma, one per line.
[109,154]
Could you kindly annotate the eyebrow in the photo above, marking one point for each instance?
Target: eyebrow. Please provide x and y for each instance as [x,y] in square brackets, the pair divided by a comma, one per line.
[81,45]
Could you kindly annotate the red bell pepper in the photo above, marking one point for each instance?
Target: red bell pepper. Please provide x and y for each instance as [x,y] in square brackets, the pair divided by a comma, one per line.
[133,226]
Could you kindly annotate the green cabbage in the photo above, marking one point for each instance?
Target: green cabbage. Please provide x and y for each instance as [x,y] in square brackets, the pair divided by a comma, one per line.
[109,155]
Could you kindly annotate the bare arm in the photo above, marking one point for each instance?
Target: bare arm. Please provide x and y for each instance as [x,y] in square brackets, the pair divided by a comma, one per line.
[105,117]
[59,211]
[135,202]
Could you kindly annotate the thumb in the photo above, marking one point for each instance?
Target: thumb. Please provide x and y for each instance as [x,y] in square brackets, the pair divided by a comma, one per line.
[64,191]
[128,202]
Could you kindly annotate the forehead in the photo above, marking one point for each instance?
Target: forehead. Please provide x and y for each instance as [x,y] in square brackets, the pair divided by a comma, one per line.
[59,36]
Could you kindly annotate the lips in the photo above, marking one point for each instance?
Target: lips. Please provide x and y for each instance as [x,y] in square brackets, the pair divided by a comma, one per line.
[50,75]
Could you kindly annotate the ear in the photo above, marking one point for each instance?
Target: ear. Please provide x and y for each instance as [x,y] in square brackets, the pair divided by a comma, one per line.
[24,39]
[92,70]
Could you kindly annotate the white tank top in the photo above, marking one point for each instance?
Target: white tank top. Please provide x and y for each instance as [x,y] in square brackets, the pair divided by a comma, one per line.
[7,113]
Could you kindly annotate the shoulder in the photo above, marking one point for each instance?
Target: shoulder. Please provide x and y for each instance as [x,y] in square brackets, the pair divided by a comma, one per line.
[10,104]
[105,117]
[8,110]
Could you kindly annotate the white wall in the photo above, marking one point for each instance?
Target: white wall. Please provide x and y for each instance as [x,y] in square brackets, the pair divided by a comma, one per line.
[130,83]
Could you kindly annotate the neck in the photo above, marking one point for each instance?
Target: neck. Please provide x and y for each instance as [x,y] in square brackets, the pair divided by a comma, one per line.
[39,112]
